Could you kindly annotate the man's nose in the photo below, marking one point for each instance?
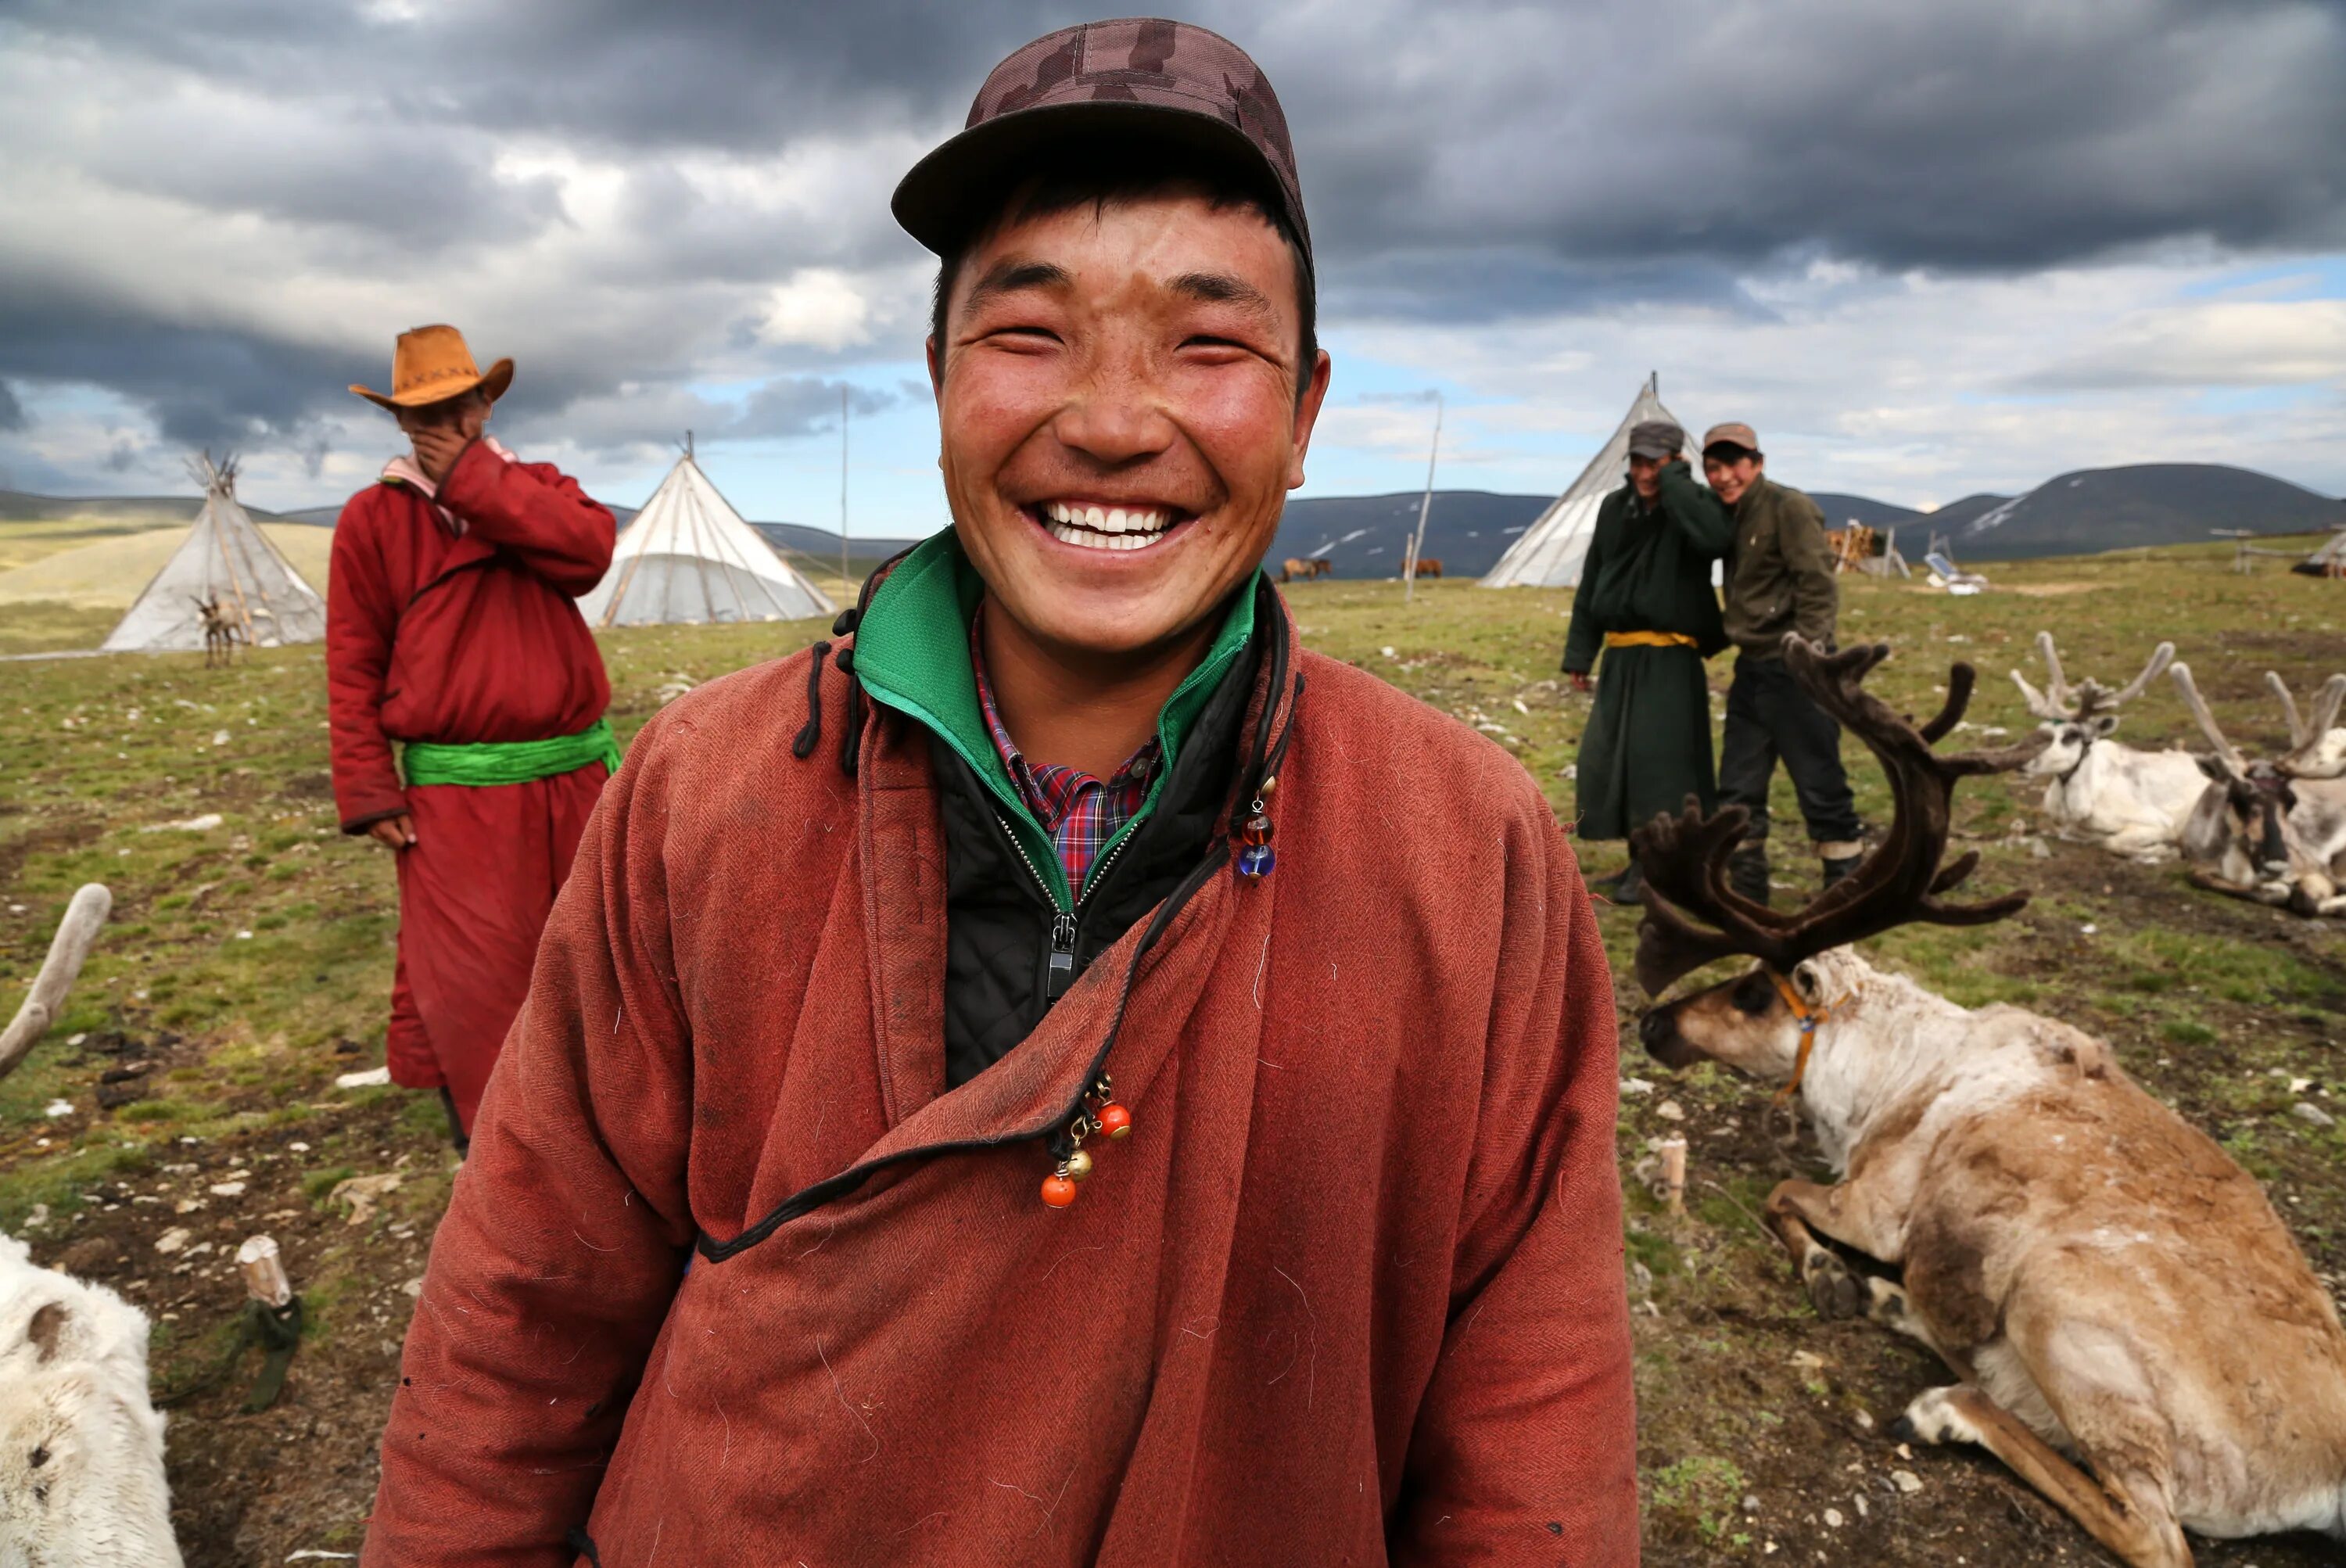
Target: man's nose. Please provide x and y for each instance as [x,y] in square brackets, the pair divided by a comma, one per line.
[1115,422]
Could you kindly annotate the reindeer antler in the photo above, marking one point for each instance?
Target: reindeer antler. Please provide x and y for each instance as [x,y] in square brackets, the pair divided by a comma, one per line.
[1684,857]
[2305,739]
[2052,703]
[2226,753]
[2061,702]
[76,934]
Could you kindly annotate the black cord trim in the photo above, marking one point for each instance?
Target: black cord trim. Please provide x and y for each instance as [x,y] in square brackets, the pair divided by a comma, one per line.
[810,735]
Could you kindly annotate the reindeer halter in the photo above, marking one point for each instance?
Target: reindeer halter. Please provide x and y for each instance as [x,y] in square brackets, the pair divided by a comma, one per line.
[1808,1018]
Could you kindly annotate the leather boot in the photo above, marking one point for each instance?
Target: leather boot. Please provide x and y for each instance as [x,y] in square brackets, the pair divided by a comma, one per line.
[1836,868]
[1632,888]
[1747,872]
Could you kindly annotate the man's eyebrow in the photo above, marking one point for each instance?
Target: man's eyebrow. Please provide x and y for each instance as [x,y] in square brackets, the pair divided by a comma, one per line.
[1222,289]
[1011,275]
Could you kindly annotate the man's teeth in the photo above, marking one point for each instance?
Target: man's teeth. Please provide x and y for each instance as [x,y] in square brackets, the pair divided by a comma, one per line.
[1106,527]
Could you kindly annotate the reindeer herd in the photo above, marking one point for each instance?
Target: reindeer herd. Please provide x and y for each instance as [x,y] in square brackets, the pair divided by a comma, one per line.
[2130,1326]
[2270,829]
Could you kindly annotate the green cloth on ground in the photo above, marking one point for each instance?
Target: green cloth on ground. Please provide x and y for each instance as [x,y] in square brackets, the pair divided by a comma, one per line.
[912,653]
[1647,744]
[484,763]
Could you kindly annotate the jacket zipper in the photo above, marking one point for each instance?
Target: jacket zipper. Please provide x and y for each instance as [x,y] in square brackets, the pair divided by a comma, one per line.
[1062,972]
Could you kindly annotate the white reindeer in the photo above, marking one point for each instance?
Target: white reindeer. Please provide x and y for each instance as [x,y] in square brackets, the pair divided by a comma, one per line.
[81,1447]
[2130,802]
[2273,829]
[2135,1331]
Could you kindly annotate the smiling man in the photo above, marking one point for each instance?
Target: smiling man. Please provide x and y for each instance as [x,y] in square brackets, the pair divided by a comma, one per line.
[1069,1077]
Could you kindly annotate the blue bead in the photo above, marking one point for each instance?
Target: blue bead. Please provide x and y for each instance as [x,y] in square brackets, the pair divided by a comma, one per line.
[1256,860]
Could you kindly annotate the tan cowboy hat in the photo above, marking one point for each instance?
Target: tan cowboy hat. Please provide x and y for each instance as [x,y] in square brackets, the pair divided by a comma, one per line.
[432,365]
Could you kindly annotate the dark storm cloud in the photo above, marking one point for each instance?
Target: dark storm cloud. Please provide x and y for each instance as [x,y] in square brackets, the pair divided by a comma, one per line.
[205,387]
[1992,135]
[802,405]
[11,412]
[1462,163]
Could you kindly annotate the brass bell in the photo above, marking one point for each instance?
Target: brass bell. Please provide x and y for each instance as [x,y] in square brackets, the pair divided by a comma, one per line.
[1079,1165]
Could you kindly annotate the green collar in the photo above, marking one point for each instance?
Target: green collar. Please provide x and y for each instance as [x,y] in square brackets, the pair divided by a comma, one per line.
[912,653]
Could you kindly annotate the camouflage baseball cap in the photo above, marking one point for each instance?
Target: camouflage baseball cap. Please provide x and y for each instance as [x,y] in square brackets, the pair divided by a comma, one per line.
[1140,76]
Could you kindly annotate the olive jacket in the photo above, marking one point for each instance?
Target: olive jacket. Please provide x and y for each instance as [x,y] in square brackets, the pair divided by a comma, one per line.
[1779,572]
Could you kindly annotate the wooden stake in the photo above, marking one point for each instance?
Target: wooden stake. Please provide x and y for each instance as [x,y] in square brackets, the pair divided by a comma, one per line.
[1673,1167]
[264,1272]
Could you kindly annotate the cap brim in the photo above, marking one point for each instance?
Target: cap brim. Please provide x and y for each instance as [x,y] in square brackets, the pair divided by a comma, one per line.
[953,188]
[493,384]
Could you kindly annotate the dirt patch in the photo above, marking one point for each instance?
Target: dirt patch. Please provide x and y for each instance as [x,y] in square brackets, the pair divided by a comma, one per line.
[2055,590]
[252,1488]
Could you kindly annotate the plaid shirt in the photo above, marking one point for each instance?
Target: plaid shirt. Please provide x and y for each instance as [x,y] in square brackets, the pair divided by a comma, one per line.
[1079,811]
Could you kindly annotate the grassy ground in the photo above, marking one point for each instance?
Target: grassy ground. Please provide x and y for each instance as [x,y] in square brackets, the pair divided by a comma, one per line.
[188,1100]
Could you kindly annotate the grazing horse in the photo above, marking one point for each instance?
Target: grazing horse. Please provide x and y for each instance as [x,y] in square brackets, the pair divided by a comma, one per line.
[1305,567]
[1429,565]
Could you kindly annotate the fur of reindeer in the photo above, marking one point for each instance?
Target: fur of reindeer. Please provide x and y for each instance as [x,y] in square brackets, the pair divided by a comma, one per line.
[81,1445]
[2261,830]
[2131,802]
[2135,1331]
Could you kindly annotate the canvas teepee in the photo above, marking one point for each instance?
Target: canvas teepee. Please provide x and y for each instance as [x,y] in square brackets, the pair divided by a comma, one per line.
[225,557]
[689,558]
[2328,561]
[1549,553]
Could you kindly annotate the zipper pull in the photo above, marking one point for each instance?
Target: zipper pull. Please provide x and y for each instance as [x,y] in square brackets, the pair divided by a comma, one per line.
[1063,958]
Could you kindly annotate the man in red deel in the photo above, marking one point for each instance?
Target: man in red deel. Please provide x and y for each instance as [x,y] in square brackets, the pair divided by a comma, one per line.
[451,631]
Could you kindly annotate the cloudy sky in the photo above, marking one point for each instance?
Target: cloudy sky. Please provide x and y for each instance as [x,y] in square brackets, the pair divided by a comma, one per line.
[1927,249]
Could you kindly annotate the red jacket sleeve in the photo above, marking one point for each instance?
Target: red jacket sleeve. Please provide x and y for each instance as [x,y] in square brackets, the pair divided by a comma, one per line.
[361,618]
[537,511]
[1530,1418]
[563,1245]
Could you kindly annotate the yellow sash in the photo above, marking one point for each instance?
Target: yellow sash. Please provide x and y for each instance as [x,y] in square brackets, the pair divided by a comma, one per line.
[1649,640]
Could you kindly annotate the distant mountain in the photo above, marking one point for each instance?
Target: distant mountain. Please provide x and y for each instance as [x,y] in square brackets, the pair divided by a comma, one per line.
[2101,509]
[1954,515]
[1840,509]
[1365,535]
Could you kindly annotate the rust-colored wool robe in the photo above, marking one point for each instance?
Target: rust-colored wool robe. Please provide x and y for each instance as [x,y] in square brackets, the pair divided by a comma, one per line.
[1350,1293]
[433,635]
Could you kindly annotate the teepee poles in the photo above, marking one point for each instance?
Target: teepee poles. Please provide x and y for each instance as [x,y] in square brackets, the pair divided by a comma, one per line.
[1424,505]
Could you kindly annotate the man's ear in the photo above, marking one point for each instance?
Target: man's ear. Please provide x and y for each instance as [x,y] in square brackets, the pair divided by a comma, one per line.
[1307,413]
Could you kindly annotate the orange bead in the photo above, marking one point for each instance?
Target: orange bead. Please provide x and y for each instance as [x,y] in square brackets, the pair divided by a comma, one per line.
[1058,1191]
[1116,1121]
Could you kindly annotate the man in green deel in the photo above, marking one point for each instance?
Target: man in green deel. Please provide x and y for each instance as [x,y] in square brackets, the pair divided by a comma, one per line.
[1646,598]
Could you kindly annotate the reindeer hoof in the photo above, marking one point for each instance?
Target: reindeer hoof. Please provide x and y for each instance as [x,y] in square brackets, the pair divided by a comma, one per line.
[1834,1289]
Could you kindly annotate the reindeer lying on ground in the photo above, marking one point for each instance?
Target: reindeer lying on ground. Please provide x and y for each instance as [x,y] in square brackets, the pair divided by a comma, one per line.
[2130,802]
[81,1446]
[2273,830]
[221,634]
[2137,1334]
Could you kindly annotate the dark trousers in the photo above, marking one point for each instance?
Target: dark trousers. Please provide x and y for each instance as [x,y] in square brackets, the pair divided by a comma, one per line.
[1769,716]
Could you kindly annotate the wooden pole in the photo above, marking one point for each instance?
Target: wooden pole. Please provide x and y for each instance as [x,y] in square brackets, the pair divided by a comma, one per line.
[1424,505]
[843,489]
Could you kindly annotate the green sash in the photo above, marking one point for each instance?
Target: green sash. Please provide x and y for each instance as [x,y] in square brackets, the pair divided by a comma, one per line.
[487,762]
